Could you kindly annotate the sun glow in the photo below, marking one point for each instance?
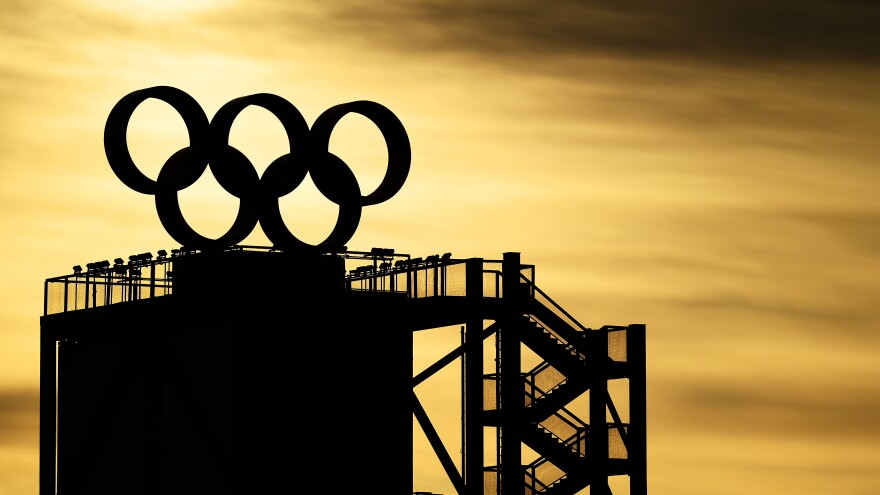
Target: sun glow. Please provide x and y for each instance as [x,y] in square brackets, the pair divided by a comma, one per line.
[158,10]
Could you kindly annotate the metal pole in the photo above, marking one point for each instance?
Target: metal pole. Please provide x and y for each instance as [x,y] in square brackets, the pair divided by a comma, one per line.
[152,279]
[636,361]
[598,440]
[512,394]
[473,379]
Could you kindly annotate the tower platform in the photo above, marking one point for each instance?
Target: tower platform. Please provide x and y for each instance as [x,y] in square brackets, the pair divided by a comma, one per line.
[250,370]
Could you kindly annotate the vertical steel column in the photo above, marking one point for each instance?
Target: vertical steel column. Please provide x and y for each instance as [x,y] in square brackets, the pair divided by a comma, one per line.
[152,279]
[48,356]
[637,432]
[65,457]
[512,389]
[598,441]
[463,372]
[239,355]
[473,379]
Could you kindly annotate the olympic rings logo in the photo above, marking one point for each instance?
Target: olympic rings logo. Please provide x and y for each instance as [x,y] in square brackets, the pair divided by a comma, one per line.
[209,147]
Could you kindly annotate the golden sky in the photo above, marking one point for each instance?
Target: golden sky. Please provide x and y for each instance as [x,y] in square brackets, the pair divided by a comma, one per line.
[709,169]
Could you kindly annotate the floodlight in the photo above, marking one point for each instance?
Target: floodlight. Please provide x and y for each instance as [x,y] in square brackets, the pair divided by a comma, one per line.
[376,251]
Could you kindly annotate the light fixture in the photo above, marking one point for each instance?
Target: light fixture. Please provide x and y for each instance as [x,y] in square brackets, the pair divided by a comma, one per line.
[77,269]
[377,252]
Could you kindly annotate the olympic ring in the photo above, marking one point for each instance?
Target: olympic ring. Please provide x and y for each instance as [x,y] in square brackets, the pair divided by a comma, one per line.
[258,196]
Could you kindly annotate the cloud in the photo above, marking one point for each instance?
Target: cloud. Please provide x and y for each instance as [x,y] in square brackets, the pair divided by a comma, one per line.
[774,407]
[725,32]
[19,415]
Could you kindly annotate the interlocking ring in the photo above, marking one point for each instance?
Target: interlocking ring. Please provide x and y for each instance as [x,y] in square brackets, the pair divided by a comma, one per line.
[209,148]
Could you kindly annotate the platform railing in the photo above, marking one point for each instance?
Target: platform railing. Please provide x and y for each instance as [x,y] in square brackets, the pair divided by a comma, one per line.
[102,284]
[419,278]
[105,284]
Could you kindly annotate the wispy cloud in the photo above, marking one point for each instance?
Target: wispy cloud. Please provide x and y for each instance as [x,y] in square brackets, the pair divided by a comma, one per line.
[706,168]
[738,32]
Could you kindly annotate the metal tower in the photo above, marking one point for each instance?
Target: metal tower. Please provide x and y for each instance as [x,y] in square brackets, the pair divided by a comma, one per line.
[248,370]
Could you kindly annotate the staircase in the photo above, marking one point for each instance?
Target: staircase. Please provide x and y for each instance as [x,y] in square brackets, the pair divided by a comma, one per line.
[561,439]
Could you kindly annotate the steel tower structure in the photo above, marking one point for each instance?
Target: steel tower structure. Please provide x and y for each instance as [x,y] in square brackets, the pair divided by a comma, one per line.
[240,370]
[249,370]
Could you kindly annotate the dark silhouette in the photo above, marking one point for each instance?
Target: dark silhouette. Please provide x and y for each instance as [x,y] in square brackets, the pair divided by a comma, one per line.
[209,147]
[248,370]
[229,369]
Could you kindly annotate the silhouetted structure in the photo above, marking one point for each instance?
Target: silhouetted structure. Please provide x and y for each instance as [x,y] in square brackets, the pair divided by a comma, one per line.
[250,370]
[242,370]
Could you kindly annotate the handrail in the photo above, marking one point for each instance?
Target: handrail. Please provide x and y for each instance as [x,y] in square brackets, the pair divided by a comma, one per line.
[560,409]
[530,376]
[555,305]
[569,346]
[531,471]
[376,277]
[534,477]
[108,284]
[534,398]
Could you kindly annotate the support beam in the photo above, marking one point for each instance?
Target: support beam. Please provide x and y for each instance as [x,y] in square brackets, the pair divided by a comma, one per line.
[48,355]
[449,358]
[437,444]
[472,436]
[636,361]
[598,441]
[512,390]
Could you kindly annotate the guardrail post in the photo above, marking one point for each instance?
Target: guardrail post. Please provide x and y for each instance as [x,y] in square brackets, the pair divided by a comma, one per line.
[152,279]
